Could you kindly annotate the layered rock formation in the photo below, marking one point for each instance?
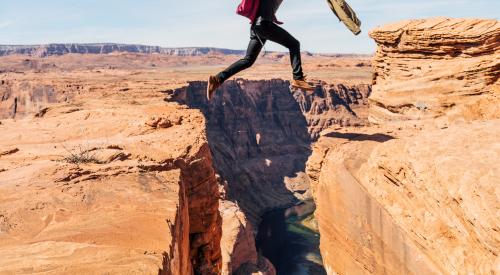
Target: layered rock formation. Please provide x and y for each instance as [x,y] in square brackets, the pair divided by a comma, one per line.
[415,195]
[96,187]
[239,254]
[437,68]
[334,105]
[98,174]
[424,203]
[260,134]
[106,48]
[20,98]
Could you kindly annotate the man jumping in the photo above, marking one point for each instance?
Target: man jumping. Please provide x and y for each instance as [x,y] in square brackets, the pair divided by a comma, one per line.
[264,27]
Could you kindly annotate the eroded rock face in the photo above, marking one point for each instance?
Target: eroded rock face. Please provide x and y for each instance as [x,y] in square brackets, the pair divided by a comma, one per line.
[420,202]
[98,189]
[334,105]
[239,255]
[444,191]
[436,68]
[260,134]
[17,99]
[414,195]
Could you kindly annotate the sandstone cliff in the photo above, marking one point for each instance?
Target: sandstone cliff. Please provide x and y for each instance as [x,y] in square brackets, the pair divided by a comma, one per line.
[437,68]
[417,194]
[260,135]
[21,98]
[334,105]
[94,186]
[239,254]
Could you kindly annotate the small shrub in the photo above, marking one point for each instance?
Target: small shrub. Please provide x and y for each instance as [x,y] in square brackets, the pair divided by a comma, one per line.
[81,156]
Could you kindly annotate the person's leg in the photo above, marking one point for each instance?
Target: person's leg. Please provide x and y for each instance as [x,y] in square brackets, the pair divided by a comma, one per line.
[254,47]
[270,31]
[253,50]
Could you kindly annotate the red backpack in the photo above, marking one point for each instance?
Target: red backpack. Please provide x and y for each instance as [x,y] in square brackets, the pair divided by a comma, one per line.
[249,8]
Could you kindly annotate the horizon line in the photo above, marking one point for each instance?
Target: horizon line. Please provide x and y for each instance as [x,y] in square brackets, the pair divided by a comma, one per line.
[164,47]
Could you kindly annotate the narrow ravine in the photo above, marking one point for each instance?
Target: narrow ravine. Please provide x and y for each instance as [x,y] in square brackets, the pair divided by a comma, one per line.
[261,135]
[291,244]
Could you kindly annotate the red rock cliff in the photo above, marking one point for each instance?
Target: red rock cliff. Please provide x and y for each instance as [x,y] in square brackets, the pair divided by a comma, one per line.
[99,187]
[418,193]
[445,69]
[260,133]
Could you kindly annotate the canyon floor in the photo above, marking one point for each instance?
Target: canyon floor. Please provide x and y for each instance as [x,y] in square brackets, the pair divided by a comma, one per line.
[117,163]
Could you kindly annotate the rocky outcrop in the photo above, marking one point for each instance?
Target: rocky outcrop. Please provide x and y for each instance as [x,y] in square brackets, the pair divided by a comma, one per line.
[444,200]
[413,203]
[21,98]
[260,134]
[416,195]
[239,255]
[334,105]
[105,188]
[106,48]
[436,68]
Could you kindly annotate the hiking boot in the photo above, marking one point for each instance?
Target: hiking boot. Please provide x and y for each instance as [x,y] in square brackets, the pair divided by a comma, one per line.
[302,84]
[213,84]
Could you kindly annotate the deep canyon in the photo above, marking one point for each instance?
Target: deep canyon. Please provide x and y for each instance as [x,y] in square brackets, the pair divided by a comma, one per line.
[122,168]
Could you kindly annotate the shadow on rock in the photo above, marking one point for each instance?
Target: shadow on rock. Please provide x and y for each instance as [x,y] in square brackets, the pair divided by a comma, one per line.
[259,140]
[290,246]
[361,137]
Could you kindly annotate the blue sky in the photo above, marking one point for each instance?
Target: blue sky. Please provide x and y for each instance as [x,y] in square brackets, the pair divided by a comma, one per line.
[214,23]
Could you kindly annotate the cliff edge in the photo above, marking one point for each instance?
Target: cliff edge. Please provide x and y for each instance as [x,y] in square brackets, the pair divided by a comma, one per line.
[108,186]
[417,193]
[437,69]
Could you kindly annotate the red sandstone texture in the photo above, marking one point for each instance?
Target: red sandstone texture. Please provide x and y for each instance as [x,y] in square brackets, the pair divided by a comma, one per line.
[261,132]
[437,69]
[239,255]
[108,186]
[417,193]
[99,174]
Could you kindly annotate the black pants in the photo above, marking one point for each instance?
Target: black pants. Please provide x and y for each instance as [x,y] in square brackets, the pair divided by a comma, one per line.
[262,31]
